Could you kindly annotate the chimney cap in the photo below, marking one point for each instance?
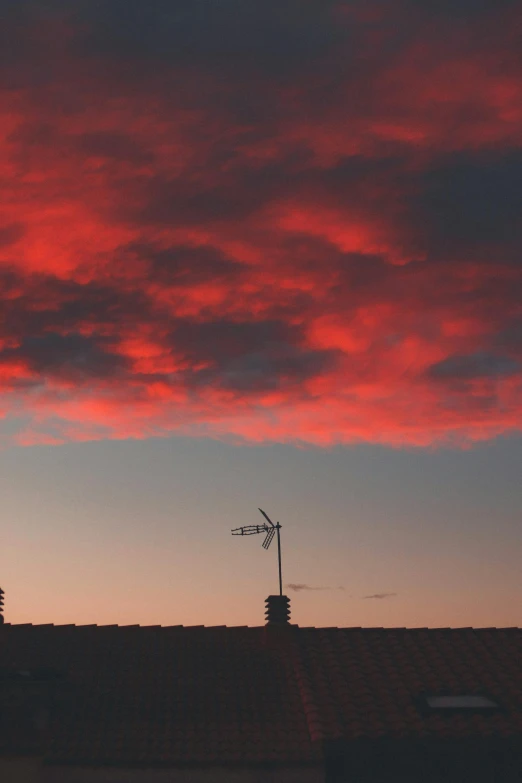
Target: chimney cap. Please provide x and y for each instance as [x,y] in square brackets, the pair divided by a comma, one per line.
[277,610]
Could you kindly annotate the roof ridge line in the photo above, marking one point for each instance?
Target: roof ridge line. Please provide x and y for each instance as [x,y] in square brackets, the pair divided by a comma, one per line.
[416,628]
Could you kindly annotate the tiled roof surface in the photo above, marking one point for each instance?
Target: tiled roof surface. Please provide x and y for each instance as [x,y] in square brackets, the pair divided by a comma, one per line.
[142,695]
[173,696]
[367,681]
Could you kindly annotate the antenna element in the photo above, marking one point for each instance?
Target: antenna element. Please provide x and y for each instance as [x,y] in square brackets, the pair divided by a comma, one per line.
[270,530]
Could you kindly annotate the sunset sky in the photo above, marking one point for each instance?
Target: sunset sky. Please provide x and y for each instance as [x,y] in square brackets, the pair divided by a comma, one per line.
[261,254]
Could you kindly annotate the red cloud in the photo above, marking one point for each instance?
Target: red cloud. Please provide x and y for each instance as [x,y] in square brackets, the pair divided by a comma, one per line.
[314,240]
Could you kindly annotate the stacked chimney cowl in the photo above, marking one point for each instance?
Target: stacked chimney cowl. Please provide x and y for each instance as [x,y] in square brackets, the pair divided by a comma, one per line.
[1,606]
[277,610]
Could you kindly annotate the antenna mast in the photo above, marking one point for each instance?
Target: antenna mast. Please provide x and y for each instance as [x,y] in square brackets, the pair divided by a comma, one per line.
[270,530]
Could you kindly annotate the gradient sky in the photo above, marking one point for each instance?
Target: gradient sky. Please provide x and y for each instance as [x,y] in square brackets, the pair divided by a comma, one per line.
[261,254]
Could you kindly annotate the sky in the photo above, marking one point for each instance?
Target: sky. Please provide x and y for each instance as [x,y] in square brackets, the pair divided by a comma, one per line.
[261,254]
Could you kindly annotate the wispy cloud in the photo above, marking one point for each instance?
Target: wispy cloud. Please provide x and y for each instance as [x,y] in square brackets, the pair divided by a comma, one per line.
[298,587]
[379,596]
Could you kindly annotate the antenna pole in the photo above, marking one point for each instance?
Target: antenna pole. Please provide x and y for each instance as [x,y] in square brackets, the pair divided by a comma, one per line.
[278,528]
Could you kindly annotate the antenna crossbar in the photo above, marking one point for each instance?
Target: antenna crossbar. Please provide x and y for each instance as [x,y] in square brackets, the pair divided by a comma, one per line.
[270,530]
[250,530]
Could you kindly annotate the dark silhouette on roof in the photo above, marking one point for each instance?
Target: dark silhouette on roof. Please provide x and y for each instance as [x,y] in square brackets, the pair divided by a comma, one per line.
[356,700]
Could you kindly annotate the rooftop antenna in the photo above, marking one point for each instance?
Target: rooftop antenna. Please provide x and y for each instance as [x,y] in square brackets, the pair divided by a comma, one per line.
[270,530]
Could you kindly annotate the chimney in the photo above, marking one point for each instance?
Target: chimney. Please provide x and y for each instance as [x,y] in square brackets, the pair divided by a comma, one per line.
[277,610]
[1,606]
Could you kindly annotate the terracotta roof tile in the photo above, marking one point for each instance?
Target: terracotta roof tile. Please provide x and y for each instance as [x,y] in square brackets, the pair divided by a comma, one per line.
[375,677]
[195,695]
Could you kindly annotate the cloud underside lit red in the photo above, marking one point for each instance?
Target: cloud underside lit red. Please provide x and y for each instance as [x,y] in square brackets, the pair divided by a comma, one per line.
[261,222]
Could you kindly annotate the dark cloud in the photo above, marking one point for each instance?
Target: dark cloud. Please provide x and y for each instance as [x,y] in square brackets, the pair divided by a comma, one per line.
[474,198]
[72,357]
[363,274]
[225,339]
[112,145]
[42,139]
[182,265]
[38,303]
[247,356]
[275,35]
[478,365]
[267,369]
[379,596]
[10,234]
[223,187]
[510,339]
[242,356]
[462,8]
[33,134]
[194,201]
[31,41]
[179,203]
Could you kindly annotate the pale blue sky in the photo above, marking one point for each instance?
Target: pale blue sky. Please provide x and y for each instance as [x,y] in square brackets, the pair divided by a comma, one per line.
[139,532]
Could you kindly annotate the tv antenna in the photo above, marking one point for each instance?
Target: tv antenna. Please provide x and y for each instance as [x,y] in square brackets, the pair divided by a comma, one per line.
[270,530]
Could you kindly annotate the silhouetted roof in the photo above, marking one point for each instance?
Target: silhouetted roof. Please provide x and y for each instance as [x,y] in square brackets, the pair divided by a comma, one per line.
[370,682]
[194,695]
